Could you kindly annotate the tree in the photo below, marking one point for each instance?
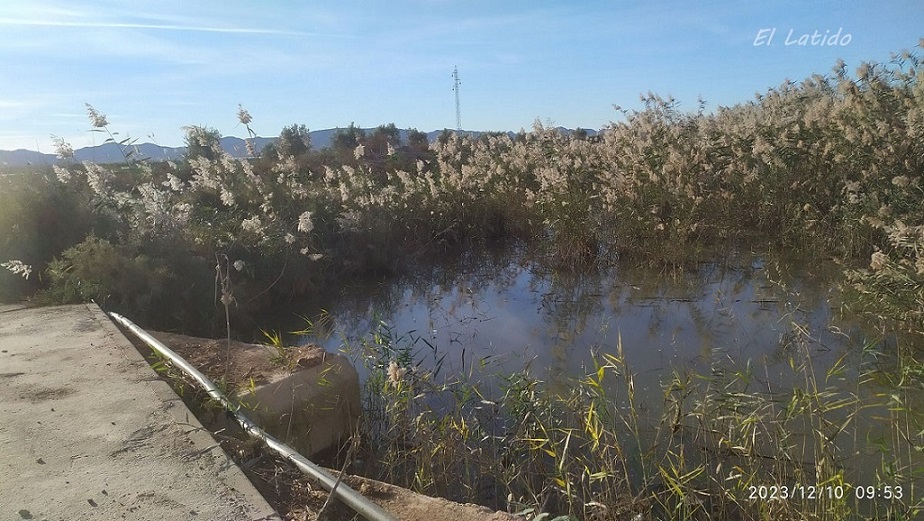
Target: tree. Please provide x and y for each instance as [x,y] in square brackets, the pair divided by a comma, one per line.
[347,139]
[380,148]
[445,136]
[202,142]
[418,149]
[387,134]
[417,140]
[294,140]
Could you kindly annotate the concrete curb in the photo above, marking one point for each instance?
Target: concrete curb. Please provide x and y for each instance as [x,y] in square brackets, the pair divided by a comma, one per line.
[90,432]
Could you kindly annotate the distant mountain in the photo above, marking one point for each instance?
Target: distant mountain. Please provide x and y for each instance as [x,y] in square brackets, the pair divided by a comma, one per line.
[111,153]
[23,157]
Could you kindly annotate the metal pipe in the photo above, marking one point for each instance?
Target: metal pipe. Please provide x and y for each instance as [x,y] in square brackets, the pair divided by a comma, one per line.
[350,497]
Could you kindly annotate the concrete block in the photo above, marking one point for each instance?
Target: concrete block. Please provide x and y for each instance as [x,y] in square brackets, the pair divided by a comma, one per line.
[312,408]
[305,396]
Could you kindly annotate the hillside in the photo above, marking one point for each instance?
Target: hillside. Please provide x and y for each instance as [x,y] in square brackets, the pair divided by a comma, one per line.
[111,153]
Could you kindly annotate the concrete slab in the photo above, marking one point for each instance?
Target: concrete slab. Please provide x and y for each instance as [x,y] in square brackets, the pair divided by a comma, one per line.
[87,431]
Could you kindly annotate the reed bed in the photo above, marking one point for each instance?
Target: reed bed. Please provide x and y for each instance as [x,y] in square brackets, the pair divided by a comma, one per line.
[721,445]
[829,166]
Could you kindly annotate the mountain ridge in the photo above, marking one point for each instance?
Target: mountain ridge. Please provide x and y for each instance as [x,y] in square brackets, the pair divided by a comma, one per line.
[113,153]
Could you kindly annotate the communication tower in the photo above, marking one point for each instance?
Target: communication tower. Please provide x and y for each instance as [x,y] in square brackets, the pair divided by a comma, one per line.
[455,87]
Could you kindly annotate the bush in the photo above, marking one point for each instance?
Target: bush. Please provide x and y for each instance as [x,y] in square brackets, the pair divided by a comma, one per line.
[39,218]
[96,270]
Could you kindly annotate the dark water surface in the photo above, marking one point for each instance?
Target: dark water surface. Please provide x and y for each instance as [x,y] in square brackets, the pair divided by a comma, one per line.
[773,318]
[509,313]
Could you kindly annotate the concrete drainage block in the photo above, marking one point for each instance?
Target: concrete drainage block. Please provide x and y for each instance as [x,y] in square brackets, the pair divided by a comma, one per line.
[311,408]
[305,396]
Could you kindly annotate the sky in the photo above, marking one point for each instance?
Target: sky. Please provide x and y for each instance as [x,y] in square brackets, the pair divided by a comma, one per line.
[154,67]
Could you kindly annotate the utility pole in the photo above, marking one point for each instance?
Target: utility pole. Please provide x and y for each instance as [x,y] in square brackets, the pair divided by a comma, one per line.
[455,87]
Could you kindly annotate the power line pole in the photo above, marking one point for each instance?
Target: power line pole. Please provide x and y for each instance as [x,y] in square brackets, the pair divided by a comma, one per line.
[455,87]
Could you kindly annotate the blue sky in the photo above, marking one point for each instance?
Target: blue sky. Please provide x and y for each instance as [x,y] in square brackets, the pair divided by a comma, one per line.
[153,67]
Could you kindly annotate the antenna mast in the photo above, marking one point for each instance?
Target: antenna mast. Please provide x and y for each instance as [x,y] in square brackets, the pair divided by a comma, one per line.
[455,87]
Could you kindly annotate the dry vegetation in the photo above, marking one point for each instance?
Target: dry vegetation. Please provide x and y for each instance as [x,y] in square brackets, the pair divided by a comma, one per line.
[832,165]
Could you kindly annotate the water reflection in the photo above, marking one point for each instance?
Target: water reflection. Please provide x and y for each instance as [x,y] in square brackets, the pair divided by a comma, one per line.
[506,312]
[763,333]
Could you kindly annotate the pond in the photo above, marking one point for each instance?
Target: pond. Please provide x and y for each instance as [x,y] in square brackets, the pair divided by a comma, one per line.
[774,322]
[509,313]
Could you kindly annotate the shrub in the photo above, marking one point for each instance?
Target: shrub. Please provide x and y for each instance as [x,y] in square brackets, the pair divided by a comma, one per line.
[39,218]
[107,274]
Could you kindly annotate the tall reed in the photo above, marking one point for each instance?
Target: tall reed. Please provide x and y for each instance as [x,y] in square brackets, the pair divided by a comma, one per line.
[716,446]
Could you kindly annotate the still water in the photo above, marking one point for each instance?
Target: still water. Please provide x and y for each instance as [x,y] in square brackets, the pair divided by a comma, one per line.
[505,313]
[776,320]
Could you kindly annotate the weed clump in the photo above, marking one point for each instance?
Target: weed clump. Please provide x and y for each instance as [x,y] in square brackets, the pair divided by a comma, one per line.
[718,446]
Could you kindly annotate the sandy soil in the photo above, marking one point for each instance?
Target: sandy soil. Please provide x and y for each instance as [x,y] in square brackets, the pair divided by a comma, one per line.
[248,361]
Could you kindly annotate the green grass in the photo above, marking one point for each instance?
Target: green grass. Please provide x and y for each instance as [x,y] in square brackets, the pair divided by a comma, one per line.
[589,450]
